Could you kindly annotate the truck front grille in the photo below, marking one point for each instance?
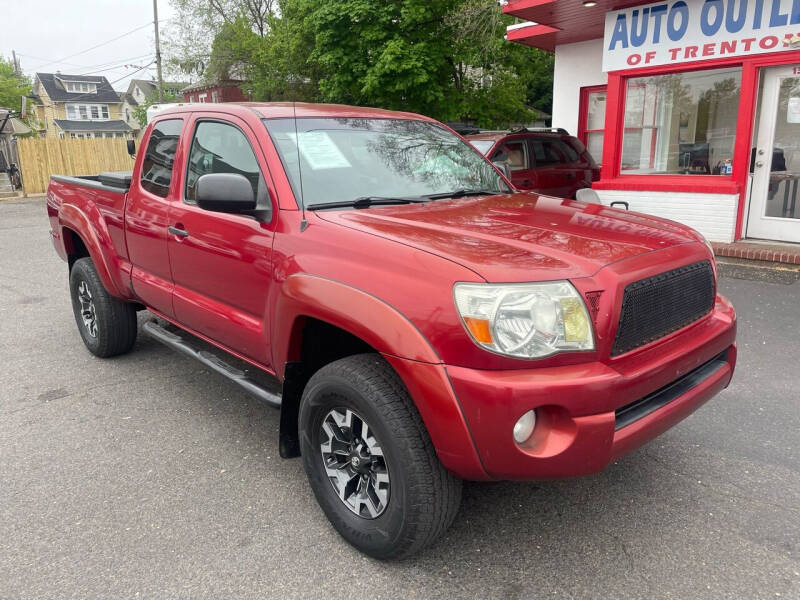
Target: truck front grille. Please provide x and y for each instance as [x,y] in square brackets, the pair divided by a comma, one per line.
[657,306]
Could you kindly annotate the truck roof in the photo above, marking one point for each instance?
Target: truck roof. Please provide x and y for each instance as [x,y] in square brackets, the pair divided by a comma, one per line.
[282,110]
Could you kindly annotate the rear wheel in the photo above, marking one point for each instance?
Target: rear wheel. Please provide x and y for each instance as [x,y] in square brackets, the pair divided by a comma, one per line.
[370,461]
[107,325]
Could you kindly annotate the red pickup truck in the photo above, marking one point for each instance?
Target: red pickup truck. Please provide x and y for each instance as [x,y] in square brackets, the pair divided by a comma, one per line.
[421,320]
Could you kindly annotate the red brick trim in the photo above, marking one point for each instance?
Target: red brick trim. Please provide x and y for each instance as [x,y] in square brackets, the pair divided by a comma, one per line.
[789,253]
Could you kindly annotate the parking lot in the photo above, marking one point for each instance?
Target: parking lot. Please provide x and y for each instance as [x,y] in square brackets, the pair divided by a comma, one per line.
[149,476]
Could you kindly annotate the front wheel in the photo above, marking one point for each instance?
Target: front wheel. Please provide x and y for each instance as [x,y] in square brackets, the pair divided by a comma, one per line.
[370,461]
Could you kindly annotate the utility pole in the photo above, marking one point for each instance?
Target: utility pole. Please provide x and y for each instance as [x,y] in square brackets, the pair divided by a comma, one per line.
[158,53]
[14,60]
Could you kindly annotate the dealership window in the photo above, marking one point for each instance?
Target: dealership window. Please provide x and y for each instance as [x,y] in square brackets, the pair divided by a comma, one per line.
[681,123]
[591,127]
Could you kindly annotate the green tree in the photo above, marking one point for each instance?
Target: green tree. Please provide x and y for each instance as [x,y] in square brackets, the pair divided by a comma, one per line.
[443,58]
[191,34]
[12,86]
[140,112]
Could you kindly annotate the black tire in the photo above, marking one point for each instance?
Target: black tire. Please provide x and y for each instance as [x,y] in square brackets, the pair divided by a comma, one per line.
[423,497]
[114,332]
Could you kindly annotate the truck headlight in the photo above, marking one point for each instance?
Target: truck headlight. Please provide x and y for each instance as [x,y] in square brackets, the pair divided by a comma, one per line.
[527,320]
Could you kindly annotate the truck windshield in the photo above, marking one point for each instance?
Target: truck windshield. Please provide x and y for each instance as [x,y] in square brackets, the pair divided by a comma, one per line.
[344,159]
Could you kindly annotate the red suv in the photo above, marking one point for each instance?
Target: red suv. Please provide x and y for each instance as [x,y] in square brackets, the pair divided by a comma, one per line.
[548,161]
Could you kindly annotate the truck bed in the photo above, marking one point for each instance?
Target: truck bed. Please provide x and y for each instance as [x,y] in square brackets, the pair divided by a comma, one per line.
[116,180]
[91,203]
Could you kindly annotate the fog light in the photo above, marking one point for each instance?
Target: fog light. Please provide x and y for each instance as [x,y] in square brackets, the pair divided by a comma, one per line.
[524,427]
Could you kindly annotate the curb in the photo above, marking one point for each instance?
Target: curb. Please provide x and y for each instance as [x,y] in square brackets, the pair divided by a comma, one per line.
[758,270]
[22,198]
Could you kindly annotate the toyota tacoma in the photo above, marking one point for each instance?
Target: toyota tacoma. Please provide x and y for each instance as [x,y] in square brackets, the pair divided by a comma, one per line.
[417,320]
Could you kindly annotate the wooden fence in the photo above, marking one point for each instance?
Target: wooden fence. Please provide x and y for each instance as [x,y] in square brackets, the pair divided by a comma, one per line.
[41,157]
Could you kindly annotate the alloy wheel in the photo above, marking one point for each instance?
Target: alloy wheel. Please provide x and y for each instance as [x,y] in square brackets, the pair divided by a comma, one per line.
[88,314]
[354,462]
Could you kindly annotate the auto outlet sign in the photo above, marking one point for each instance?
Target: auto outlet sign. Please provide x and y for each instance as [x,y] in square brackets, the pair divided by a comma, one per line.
[682,31]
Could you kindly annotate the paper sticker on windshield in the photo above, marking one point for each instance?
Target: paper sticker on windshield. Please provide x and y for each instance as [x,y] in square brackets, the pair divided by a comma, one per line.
[319,151]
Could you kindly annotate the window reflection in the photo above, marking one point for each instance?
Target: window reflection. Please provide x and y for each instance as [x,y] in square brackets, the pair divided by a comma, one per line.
[344,159]
[682,123]
[221,148]
[159,156]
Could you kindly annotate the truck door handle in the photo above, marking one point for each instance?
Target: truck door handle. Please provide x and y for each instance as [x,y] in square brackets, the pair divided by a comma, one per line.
[527,182]
[179,232]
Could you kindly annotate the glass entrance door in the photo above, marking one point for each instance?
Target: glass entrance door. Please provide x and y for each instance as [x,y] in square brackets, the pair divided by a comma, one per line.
[775,159]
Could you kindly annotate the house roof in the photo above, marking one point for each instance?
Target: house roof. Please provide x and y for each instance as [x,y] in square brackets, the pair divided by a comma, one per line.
[553,22]
[149,87]
[126,97]
[52,83]
[18,127]
[12,126]
[115,125]
[204,85]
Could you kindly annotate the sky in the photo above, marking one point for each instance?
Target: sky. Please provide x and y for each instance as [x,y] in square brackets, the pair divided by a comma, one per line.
[54,35]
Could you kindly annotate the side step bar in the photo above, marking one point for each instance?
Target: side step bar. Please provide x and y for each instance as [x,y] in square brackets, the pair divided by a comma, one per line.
[213,362]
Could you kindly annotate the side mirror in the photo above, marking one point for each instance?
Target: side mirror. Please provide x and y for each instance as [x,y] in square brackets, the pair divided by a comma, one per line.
[504,168]
[225,192]
[132,148]
[587,195]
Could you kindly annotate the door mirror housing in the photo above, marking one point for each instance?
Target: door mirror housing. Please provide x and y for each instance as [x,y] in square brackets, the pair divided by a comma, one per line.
[225,192]
[132,148]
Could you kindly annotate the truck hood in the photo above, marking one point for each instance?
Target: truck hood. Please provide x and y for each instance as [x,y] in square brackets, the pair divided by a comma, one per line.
[519,237]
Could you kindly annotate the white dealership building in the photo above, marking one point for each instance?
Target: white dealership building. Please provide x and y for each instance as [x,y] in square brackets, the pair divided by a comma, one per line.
[691,106]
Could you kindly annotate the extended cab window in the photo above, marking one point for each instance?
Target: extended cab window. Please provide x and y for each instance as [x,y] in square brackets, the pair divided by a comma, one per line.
[222,148]
[160,155]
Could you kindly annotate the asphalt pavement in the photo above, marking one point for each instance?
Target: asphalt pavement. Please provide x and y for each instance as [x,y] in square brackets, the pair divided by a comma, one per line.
[147,476]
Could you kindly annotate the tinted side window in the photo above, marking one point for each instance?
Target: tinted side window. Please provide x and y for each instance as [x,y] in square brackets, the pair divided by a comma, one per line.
[583,152]
[160,156]
[568,151]
[546,152]
[514,153]
[222,148]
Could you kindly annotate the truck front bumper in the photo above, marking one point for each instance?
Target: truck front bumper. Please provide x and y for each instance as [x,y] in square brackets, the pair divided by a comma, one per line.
[590,414]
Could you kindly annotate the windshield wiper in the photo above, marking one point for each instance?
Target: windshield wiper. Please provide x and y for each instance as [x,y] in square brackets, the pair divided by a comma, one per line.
[461,193]
[364,202]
